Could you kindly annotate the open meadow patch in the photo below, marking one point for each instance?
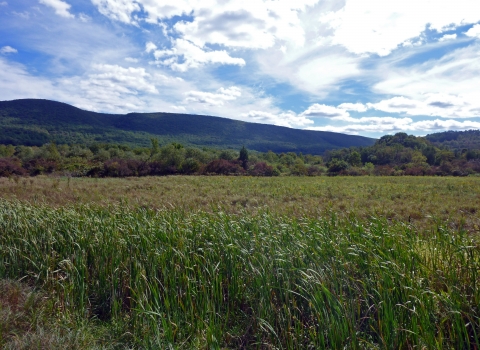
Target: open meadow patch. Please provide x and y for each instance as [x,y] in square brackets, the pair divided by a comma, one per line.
[129,274]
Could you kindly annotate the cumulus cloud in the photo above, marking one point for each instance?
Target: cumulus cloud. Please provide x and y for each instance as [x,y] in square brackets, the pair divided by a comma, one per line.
[474,31]
[61,7]
[185,55]
[288,119]
[121,80]
[357,107]
[149,47]
[447,37]
[323,111]
[217,98]
[7,49]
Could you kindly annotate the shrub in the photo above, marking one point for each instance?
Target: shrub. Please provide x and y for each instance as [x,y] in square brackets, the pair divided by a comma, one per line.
[384,170]
[41,166]
[224,167]
[335,166]
[261,169]
[9,167]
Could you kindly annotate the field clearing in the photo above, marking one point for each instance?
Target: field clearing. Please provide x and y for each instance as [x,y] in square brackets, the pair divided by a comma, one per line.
[240,263]
[419,200]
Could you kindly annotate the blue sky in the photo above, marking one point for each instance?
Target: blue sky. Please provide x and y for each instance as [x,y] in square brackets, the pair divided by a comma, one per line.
[367,67]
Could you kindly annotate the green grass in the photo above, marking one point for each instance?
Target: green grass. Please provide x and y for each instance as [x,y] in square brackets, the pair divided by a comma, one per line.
[191,278]
[416,200]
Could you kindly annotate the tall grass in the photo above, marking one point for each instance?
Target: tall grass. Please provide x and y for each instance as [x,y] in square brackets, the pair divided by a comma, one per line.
[179,279]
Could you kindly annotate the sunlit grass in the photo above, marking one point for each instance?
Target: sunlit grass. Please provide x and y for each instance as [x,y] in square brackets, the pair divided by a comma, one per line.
[191,278]
[417,200]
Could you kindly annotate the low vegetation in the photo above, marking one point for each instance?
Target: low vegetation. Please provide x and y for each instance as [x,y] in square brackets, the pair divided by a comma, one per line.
[239,262]
[172,278]
[397,155]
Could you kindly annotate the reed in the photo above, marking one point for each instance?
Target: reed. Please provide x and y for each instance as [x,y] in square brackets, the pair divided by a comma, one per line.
[196,279]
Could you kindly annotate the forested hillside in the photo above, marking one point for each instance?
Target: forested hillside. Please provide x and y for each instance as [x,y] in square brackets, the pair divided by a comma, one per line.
[36,122]
[456,140]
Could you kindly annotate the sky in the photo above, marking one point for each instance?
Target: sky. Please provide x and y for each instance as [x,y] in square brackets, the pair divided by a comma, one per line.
[363,67]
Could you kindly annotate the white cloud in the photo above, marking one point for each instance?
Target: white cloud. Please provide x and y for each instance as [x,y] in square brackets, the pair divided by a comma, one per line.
[439,105]
[357,107]
[474,31]
[149,47]
[392,125]
[235,23]
[131,59]
[119,10]
[438,124]
[184,55]
[447,37]
[397,104]
[217,98]
[3,3]
[122,80]
[446,87]
[379,26]
[61,8]
[8,49]
[288,119]
[323,111]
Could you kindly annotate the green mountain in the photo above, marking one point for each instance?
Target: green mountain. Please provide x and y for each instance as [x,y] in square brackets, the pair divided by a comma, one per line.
[36,122]
[456,140]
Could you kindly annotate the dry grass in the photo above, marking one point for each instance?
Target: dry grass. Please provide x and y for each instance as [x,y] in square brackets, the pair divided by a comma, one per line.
[418,200]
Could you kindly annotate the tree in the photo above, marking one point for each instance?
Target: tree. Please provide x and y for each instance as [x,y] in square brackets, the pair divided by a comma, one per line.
[336,165]
[244,157]
[355,159]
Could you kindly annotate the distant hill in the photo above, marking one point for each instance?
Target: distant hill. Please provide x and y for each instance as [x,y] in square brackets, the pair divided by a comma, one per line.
[456,140]
[36,122]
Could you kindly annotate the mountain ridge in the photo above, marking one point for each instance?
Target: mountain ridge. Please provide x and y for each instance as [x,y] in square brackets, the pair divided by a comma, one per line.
[37,121]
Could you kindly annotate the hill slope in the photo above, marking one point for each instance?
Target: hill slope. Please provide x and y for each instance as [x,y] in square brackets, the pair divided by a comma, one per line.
[35,122]
[456,140]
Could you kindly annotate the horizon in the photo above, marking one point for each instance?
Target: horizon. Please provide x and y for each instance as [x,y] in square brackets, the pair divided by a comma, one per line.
[360,67]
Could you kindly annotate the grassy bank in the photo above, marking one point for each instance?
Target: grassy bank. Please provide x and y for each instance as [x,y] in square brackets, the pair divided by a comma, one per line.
[213,279]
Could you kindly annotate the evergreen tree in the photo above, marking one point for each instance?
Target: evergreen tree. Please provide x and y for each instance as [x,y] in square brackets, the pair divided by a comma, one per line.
[243,157]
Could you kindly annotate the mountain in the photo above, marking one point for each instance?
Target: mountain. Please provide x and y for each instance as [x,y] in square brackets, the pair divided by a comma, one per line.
[456,140]
[36,122]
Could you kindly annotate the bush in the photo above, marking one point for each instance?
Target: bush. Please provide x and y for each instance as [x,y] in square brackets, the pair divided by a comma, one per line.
[261,169]
[224,167]
[9,167]
[125,167]
[41,166]
[335,166]
[384,170]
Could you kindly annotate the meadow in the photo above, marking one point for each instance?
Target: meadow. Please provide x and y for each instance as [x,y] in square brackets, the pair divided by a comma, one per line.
[191,262]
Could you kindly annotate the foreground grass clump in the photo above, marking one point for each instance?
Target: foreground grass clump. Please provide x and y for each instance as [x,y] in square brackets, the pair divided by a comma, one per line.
[173,278]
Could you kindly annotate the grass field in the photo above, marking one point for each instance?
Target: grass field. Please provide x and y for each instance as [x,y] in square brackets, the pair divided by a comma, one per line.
[420,200]
[236,262]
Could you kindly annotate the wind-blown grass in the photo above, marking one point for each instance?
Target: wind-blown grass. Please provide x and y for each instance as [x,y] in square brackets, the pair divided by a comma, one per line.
[192,279]
[408,199]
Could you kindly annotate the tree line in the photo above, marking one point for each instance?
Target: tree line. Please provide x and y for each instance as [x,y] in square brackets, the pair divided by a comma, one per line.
[398,154]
